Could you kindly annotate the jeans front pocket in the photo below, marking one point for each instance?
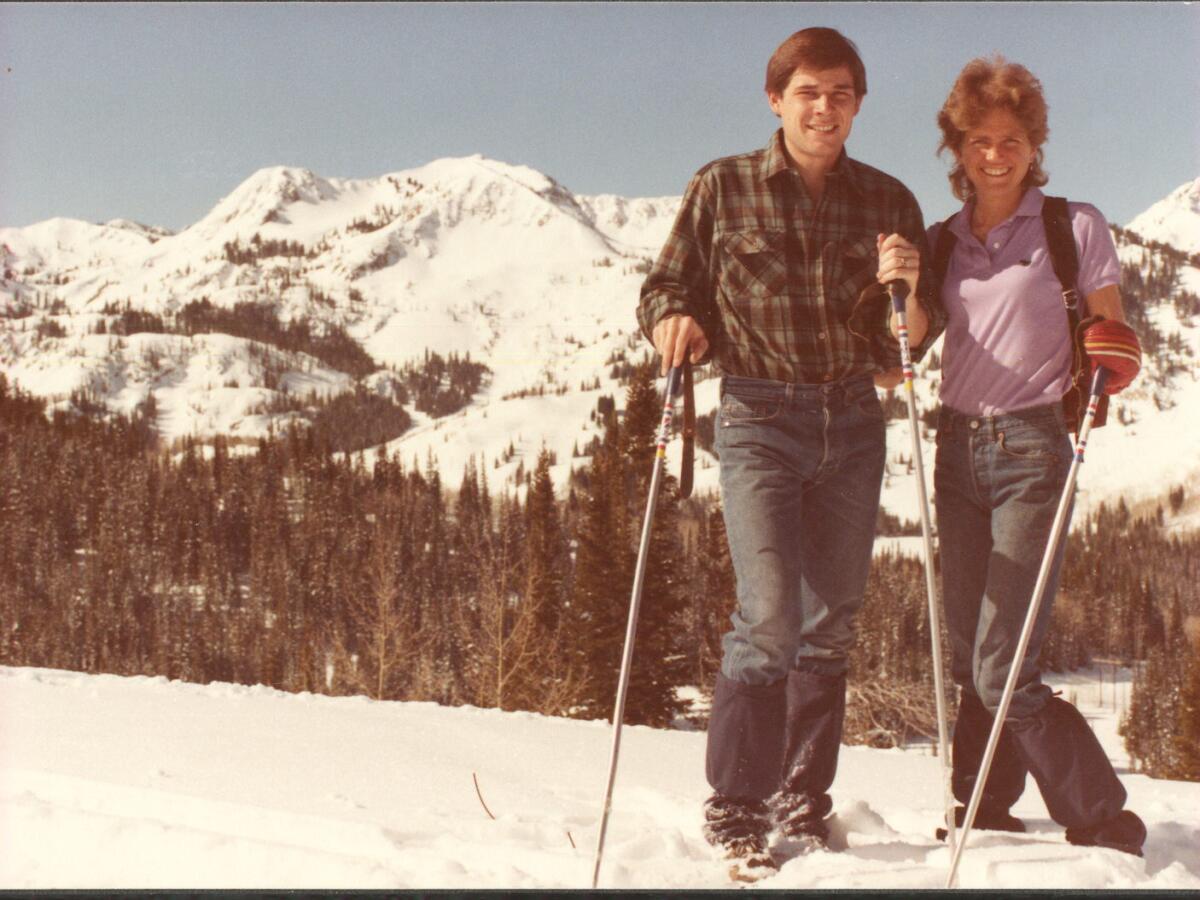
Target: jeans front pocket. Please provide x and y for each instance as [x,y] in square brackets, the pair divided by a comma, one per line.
[1030,442]
[748,410]
[866,400]
[1030,463]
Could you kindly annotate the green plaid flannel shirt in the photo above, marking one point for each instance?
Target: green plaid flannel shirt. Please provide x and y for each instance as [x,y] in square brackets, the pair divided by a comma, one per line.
[785,289]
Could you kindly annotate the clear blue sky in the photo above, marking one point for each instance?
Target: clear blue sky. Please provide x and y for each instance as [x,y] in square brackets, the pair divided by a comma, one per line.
[154,112]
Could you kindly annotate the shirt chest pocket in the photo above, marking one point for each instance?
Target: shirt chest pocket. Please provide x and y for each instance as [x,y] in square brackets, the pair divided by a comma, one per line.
[753,264]
[853,266]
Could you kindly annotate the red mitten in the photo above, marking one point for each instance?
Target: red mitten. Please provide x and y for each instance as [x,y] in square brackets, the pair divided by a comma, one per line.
[1113,344]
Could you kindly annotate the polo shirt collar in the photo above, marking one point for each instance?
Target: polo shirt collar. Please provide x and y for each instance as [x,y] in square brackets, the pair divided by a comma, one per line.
[775,161]
[1031,203]
[1030,206]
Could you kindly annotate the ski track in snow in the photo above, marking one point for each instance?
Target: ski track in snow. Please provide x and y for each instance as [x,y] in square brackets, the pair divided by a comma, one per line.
[109,782]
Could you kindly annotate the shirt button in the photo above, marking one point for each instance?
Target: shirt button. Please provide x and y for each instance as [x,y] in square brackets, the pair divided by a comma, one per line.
[996,246]
[821,336]
[827,378]
[974,423]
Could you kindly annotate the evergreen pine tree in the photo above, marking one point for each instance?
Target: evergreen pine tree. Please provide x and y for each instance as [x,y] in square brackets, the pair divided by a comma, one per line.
[603,575]
[659,660]
[1187,725]
[545,551]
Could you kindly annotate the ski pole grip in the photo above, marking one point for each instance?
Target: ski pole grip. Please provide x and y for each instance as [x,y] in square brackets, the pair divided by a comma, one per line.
[898,290]
[674,381]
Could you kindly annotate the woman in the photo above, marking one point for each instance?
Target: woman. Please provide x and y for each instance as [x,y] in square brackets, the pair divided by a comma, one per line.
[1003,451]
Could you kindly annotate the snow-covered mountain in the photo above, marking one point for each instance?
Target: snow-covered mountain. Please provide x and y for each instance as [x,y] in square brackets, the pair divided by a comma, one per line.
[458,256]
[1174,220]
[251,788]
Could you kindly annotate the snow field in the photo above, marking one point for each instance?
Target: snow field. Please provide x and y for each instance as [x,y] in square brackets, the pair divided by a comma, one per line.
[109,782]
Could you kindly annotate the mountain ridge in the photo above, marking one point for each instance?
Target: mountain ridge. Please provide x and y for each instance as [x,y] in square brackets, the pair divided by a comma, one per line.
[464,256]
[1174,220]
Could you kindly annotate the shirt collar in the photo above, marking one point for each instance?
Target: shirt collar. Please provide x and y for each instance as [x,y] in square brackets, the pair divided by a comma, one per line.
[1031,203]
[1030,206]
[775,161]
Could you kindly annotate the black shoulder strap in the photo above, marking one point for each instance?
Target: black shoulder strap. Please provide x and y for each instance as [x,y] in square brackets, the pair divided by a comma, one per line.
[1064,255]
[942,249]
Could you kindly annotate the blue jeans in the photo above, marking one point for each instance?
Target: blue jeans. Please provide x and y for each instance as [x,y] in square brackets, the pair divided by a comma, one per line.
[998,481]
[801,467]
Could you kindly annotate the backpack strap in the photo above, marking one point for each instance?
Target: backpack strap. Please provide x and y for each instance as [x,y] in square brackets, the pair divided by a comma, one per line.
[942,249]
[1064,255]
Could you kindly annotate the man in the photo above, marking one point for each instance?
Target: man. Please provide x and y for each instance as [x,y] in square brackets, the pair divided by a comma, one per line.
[773,271]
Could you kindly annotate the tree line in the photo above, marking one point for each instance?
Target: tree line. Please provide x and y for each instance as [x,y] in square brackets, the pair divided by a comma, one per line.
[295,567]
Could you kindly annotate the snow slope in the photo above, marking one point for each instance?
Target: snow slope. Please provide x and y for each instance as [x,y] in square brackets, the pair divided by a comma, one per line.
[109,782]
[1173,220]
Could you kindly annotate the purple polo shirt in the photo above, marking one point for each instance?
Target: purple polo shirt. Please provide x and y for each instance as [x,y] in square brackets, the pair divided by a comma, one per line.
[1007,345]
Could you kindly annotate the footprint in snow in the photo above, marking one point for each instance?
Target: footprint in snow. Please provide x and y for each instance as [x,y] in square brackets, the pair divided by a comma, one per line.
[857,818]
[668,843]
[348,802]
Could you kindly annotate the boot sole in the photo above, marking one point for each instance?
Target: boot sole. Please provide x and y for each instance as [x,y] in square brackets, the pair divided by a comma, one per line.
[743,875]
[941,834]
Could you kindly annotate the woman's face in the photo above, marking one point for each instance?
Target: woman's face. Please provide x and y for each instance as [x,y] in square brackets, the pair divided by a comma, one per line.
[996,154]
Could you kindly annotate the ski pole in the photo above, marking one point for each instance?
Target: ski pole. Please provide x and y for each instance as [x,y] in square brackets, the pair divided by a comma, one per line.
[664,435]
[898,290]
[1035,603]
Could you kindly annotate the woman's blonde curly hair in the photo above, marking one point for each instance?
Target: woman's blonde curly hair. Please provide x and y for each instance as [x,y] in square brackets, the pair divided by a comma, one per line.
[983,85]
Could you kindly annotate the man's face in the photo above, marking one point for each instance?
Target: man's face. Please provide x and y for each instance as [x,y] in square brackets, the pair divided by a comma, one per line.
[817,109]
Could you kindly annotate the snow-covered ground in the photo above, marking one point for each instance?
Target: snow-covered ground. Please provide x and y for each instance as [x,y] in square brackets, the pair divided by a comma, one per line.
[109,782]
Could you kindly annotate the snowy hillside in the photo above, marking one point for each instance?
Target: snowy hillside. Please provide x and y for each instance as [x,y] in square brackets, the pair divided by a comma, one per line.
[110,782]
[1173,220]
[460,256]
[464,256]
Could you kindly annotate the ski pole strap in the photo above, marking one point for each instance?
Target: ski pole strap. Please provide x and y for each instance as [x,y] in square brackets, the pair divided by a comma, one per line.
[689,433]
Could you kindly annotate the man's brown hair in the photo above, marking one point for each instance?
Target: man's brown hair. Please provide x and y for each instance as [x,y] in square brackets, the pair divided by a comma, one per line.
[816,49]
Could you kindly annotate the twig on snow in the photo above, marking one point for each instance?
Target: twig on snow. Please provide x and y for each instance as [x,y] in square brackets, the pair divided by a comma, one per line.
[480,796]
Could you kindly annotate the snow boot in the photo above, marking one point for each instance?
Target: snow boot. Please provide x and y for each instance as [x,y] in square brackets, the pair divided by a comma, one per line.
[816,710]
[739,828]
[745,738]
[801,820]
[1006,778]
[987,819]
[1125,832]
[1070,767]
